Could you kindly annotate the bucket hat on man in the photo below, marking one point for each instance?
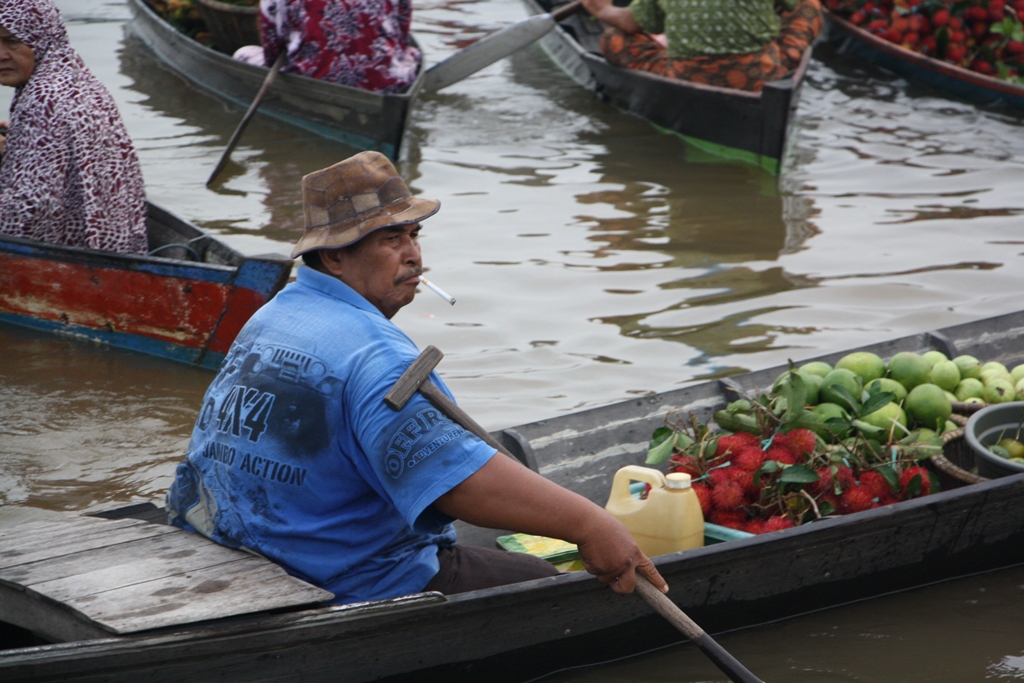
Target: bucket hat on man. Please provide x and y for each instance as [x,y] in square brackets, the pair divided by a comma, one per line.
[347,201]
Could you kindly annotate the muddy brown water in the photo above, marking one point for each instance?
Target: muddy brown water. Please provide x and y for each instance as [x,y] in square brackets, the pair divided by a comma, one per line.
[594,259]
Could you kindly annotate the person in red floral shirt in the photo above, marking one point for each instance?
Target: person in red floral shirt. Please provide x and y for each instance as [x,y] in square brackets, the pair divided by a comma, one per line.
[364,44]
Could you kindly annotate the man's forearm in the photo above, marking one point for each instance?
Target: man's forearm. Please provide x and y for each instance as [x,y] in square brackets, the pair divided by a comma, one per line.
[503,494]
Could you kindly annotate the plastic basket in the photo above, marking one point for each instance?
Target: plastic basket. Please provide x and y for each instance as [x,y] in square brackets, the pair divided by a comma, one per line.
[957,461]
[231,26]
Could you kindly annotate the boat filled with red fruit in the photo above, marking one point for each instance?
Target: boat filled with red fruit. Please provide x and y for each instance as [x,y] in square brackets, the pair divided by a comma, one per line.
[973,49]
[834,486]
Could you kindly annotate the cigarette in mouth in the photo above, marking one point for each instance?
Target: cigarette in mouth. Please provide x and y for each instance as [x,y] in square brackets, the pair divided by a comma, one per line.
[437,290]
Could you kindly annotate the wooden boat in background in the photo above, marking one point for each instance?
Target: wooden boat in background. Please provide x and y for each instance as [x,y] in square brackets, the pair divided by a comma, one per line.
[914,66]
[358,118]
[186,300]
[752,127]
[520,631]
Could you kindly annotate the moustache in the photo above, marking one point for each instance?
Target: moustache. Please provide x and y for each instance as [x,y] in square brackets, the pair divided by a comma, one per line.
[415,272]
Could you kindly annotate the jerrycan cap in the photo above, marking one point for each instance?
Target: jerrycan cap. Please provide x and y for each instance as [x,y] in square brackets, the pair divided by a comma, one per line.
[677,480]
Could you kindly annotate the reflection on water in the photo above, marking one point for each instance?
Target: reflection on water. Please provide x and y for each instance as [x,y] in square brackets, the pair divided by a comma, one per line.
[698,230]
[956,632]
[280,155]
[593,257]
[88,427]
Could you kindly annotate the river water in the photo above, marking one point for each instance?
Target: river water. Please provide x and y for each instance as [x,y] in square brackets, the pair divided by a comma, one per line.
[593,258]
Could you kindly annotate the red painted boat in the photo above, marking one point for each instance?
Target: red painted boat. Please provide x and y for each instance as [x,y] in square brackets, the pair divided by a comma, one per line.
[186,300]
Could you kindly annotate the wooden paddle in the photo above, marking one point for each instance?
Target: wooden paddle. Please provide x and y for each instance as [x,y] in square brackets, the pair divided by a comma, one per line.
[248,115]
[728,664]
[493,47]
[416,378]
[463,63]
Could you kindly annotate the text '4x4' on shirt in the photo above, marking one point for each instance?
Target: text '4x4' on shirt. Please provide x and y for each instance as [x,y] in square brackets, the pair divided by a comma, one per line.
[296,457]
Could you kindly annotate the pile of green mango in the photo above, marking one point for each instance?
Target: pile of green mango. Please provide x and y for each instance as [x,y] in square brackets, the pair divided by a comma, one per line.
[907,399]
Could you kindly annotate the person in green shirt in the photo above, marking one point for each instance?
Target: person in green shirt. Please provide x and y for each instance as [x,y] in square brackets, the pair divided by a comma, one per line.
[727,43]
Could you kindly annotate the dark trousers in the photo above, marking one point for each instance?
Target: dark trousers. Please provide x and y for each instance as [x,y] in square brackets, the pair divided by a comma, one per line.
[467,568]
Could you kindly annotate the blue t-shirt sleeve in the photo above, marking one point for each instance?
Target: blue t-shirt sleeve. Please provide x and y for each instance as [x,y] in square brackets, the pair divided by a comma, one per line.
[413,455]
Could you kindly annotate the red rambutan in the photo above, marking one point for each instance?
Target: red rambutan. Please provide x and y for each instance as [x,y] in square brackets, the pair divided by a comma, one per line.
[749,459]
[718,475]
[907,476]
[831,499]
[824,485]
[746,481]
[684,463]
[782,454]
[856,499]
[736,442]
[754,526]
[844,475]
[727,495]
[704,496]
[777,523]
[800,441]
[876,483]
[734,519]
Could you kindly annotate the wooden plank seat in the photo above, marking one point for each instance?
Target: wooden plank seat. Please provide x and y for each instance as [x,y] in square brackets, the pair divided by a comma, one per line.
[78,577]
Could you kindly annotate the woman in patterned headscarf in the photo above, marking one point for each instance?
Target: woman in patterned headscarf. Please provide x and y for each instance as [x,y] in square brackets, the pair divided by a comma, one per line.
[69,173]
[364,44]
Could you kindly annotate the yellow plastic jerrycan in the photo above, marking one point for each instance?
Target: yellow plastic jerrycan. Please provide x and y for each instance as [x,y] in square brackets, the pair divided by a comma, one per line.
[670,519]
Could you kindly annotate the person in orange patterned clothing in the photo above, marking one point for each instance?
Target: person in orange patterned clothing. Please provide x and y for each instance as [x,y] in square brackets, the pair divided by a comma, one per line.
[738,44]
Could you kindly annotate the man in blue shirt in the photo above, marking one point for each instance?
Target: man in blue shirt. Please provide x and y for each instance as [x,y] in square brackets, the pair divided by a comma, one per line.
[296,456]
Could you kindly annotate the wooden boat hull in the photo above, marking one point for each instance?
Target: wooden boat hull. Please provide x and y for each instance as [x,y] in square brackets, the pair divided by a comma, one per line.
[753,127]
[516,632]
[358,118]
[964,83]
[189,310]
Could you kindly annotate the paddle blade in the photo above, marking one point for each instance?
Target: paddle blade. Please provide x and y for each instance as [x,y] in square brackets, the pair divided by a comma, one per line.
[486,51]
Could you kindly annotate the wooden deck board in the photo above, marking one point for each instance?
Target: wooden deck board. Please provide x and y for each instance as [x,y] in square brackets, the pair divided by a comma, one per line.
[125,576]
[32,547]
[114,566]
[27,533]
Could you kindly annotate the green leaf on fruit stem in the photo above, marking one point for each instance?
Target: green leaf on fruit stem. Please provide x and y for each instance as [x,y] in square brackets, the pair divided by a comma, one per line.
[661,446]
[740,406]
[843,394]
[659,435]
[793,389]
[914,486]
[941,41]
[890,476]
[838,426]
[1010,28]
[879,400]
[958,7]
[798,474]
[871,432]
